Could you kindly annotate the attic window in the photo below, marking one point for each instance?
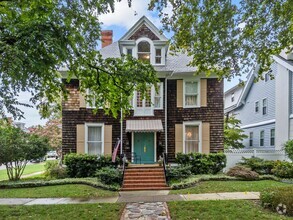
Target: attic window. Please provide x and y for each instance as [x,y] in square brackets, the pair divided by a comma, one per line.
[144,51]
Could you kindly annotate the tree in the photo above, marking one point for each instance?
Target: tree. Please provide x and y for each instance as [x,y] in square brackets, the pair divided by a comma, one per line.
[52,130]
[288,146]
[229,37]
[17,148]
[39,37]
[233,134]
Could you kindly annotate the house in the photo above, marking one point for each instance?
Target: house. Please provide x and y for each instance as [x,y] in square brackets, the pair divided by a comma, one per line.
[265,107]
[231,97]
[185,115]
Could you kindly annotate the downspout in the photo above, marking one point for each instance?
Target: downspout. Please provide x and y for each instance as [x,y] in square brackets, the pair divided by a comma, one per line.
[121,132]
[166,115]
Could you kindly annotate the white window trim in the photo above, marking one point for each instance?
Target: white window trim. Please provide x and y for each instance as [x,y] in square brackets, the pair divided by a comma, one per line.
[267,109]
[125,48]
[136,112]
[163,51]
[152,50]
[198,94]
[263,138]
[86,135]
[199,124]
[258,107]
[273,137]
[250,139]
[161,92]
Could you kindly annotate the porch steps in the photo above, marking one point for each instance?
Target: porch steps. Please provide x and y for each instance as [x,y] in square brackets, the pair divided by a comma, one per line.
[147,177]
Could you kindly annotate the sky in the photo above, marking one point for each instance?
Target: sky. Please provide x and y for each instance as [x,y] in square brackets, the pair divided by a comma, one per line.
[120,21]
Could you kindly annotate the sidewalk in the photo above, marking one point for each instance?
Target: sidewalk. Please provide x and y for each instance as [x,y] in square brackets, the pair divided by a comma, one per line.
[132,197]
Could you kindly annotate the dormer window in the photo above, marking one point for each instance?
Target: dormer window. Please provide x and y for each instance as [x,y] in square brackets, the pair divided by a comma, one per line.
[158,58]
[129,51]
[144,51]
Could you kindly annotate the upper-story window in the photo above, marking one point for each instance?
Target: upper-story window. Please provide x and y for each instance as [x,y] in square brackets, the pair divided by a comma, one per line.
[267,77]
[261,138]
[191,94]
[158,98]
[94,139]
[129,51]
[256,107]
[158,58]
[232,97]
[264,106]
[144,51]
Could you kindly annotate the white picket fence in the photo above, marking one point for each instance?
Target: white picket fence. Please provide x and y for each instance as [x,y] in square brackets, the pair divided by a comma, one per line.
[235,155]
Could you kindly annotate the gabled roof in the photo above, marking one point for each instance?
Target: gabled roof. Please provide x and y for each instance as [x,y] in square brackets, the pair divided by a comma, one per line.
[149,24]
[286,63]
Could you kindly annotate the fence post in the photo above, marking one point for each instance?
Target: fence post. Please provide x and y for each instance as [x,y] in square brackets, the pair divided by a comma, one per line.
[254,152]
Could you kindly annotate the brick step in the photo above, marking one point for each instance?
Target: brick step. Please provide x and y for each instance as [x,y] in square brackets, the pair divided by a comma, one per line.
[143,167]
[144,177]
[134,181]
[145,174]
[145,188]
[142,185]
[143,170]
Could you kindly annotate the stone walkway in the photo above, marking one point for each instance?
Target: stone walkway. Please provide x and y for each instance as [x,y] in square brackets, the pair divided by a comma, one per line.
[146,211]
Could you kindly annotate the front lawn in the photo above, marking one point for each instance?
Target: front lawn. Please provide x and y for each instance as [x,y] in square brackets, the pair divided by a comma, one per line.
[225,209]
[76,211]
[73,191]
[229,186]
[29,169]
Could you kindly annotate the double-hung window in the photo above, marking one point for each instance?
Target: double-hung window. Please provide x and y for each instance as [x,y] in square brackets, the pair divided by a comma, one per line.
[261,138]
[144,51]
[232,97]
[272,140]
[158,98]
[191,95]
[256,107]
[264,106]
[158,57]
[94,139]
[250,139]
[191,138]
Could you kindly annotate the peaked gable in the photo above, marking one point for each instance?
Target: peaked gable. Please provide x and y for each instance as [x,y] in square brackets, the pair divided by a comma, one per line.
[143,31]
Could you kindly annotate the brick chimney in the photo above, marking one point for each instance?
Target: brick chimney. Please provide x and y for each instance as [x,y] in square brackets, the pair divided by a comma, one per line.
[107,38]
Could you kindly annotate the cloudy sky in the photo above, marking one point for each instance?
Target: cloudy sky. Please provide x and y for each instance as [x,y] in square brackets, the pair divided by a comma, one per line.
[119,21]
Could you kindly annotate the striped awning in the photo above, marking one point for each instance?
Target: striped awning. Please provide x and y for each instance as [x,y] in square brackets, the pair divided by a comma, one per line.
[144,126]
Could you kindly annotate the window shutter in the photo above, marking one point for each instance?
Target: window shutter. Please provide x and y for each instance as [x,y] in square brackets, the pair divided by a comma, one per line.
[80,139]
[206,137]
[82,103]
[108,140]
[203,92]
[179,93]
[178,138]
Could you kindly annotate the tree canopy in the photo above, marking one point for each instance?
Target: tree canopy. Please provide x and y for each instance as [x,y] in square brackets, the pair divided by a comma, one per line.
[228,37]
[38,37]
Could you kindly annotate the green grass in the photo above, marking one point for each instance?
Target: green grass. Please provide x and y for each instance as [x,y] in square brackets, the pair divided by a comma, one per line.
[73,191]
[80,211]
[29,169]
[218,210]
[229,186]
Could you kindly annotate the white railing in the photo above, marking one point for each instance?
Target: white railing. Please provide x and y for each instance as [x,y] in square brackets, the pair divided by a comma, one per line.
[234,156]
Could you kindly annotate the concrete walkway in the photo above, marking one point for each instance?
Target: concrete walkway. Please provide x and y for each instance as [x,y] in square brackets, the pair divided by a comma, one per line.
[134,197]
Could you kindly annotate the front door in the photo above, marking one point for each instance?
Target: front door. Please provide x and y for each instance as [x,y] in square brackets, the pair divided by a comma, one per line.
[143,146]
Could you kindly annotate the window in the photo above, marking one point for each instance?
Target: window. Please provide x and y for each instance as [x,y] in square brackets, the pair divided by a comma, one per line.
[191,138]
[256,107]
[158,58]
[272,141]
[94,139]
[158,99]
[261,138]
[250,139]
[144,51]
[191,94]
[264,106]
[129,51]
[267,77]
[232,97]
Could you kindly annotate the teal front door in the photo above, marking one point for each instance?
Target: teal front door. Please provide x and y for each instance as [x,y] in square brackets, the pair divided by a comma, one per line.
[143,146]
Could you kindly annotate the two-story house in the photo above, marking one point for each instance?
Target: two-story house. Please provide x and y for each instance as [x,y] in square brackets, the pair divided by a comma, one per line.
[265,107]
[185,115]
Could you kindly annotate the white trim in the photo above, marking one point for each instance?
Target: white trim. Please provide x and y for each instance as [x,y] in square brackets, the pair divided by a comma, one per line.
[161,94]
[283,63]
[86,135]
[198,93]
[259,124]
[199,124]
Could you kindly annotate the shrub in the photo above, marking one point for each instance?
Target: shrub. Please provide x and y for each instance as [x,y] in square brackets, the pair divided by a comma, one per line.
[243,172]
[283,170]
[278,198]
[289,149]
[83,165]
[202,163]
[54,170]
[179,172]
[108,175]
[259,165]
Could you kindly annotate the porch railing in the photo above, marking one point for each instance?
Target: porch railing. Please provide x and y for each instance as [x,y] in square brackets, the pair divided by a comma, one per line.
[165,162]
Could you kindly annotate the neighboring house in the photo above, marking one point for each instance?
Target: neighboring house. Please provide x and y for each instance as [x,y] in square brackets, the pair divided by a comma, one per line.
[265,107]
[186,115]
[231,97]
